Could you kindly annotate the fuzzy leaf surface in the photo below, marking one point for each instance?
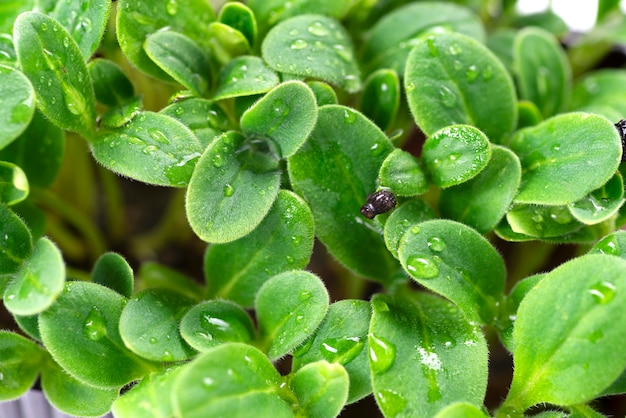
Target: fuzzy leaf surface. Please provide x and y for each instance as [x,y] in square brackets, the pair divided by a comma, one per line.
[20,362]
[245,76]
[18,104]
[86,22]
[321,389]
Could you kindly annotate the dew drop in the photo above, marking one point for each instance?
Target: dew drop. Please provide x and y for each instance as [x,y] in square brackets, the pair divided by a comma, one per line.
[296,240]
[149,149]
[471,74]
[422,267]
[228,190]
[560,215]
[280,108]
[218,160]
[158,136]
[410,87]
[488,72]
[376,150]
[382,354]
[299,44]
[391,402]
[94,327]
[305,295]
[208,382]
[349,116]
[290,259]
[436,244]
[603,292]
[447,96]
[66,42]
[454,50]
[152,340]
[341,350]
[44,27]
[317,29]
[609,246]
[415,230]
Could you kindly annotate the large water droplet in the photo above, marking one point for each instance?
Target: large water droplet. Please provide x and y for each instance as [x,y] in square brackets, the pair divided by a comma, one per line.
[318,29]
[228,190]
[603,292]
[349,116]
[299,44]
[158,136]
[471,74]
[422,267]
[391,402]
[342,350]
[447,96]
[436,244]
[94,326]
[382,354]
[610,246]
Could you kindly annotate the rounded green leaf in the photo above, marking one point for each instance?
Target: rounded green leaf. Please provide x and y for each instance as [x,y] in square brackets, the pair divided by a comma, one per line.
[240,17]
[482,201]
[435,254]
[71,396]
[283,241]
[542,70]
[29,324]
[15,241]
[612,244]
[216,322]
[321,389]
[455,154]
[402,218]
[380,99]
[110,84]
[313,46]
[112,270]
[18,104]
[334,171]
[605,87]
[286,115]
[542,221]
[50,58]
[226,43]
[13,184]
[342,338]
[231,190]
[181,58]
[121,115]
[245,76]
[152,275]
[269,12]
[390,40]
[205,118]
[565,158]
[573,312]
[152,147]
[600,204]
[446,77]
[424,355]
[324,94]
[136,20]
[81,333]
[86,24]
[230,380]
[20,361]
[38,282]
[461,410]
[289,307]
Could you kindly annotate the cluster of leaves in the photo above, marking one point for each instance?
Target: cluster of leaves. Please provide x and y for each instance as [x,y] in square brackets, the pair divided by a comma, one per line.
[292,113]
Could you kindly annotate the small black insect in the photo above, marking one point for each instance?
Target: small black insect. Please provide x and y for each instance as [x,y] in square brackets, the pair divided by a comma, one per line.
[378,202]
[621,129]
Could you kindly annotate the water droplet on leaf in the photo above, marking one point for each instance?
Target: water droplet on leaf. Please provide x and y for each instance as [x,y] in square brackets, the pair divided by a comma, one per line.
[94,327]
[299,44]
[318,29]
[228,190]
[436,244]
[382,354]
[422,267]
[603,292]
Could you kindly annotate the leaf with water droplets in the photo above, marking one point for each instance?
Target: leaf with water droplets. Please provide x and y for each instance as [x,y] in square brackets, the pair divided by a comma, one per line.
[402,174]
[204,117]
[15,242]
[152,147]
[245,76]
[404,217]
[111,86]
[20,363]
[542,70]
[286,115]
[390,40]
[232,188]
[612,244]
[52,61]
[565,158]
[446,77]
[435,255]
[321,389]
[289,307]
[38,282]
[542,221]
[342,338]
[18,104]
[80,330]
[182,58]
[283,241]
[419,349]
[231,379]
[313,46]
[601,204]
[572,312]
[14,186]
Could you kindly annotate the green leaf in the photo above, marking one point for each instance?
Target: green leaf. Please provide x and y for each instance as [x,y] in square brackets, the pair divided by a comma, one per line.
[424,355]
[86,22]
[15,241]
[542,221]
[604,87]
[581,353]
[230,380]
[542,69]
[50,58]
[381,97]
[18,104]
[344,146]
[136,20]
[240,17]
[245,76]
[231,190]
[38,282]
[612,244]
[528,114]
[20,361]
[30,325]
[482,201]
[402,173]
[205,118]
[565,158]
[71,396]
[81,333]
[269,12]
[226,43]
[585,235]
[601,204]
[181,58]
[161,341]
[390,40]
[121,115]
[38,151]
[13,184]
[215,322]
[342,338]
[324,94]
[152,274]
[404,217]
[10,11]
[446,78]
[111,86]
[461,410]
[7,50]
[455,154]
[112,270]
[547,21]
[289,307]
[283,241]
[152,148]
[321,389]
[434,253]
[286,115]
[313,46]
